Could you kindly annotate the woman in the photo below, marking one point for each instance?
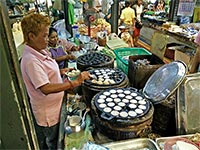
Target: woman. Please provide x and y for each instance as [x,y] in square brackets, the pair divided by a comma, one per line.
[127,17]
[43,81]
[139,9]
[60,48]
[126,36]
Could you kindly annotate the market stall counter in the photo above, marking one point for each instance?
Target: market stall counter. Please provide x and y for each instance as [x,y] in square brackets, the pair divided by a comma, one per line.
[170,75]
[183,39]
[102,113]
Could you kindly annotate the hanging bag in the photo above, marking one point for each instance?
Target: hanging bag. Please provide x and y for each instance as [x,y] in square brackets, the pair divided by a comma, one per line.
[138,24]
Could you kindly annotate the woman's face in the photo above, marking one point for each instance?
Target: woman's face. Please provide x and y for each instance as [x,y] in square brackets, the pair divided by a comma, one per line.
[53,39]
[140,2]
[39,41]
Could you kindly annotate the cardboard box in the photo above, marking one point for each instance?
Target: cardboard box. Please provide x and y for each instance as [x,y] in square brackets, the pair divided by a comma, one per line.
[191,57]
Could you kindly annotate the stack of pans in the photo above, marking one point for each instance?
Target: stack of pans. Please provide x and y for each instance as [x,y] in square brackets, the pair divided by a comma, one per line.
[102,79]
[94,60]
[122,113]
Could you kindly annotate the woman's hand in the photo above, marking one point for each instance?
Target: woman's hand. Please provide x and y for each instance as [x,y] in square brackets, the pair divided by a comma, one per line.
[70,57]
[75,48]
[85,75]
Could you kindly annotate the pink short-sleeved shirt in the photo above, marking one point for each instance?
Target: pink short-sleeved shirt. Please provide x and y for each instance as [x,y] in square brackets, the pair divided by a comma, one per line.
[197,39]
[39,69]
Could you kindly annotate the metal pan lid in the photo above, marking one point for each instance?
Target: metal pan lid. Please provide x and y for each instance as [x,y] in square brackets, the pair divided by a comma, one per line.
[164,81]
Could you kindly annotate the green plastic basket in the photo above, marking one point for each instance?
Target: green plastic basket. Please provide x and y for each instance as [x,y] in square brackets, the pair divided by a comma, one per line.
[126,52]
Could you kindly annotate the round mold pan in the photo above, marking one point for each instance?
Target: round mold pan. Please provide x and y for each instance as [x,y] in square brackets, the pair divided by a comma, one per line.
[139,108]
[116,75]
[94,60]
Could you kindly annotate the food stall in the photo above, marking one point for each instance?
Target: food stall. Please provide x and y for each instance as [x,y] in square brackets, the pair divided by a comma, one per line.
[106,131]
[159,121]
[131,129]
[123,115]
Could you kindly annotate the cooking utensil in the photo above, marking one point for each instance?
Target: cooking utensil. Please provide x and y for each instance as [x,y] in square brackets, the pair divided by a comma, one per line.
[74,111]
[75,123]
[83,118]
[81,106]
[94,57]
[131,106]
[164,81]
[93,76]
[187,109]
[108,76]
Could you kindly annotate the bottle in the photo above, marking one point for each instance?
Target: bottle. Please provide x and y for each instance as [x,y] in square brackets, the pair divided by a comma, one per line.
[74,30]
[77,40]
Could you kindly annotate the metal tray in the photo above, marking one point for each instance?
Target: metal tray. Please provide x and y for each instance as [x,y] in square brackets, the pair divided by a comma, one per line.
[188,104]
[161,141]
[133,144]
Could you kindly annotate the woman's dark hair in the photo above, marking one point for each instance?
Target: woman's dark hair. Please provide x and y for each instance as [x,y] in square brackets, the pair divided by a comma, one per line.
[51,30]
[127,3]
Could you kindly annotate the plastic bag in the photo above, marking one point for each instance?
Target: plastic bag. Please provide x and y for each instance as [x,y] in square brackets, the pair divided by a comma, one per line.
[61,30]
[92,146]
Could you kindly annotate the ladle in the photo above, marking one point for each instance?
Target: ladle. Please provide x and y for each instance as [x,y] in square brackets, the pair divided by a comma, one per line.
[83,118]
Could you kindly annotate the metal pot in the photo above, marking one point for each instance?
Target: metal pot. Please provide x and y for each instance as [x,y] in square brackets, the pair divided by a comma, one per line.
[75,123]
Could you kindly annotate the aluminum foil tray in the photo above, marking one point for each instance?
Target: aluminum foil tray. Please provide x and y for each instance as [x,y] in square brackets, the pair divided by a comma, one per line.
[133,144]
[161,141]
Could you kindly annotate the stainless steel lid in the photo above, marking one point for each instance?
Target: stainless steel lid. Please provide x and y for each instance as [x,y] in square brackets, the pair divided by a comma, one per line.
[164,81]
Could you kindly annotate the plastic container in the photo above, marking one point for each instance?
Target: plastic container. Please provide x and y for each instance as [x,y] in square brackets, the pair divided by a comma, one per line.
[122,56]
[77,40]
[75,30]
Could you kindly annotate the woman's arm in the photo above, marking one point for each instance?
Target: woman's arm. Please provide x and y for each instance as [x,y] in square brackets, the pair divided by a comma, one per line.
[65,57]
[68,85]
